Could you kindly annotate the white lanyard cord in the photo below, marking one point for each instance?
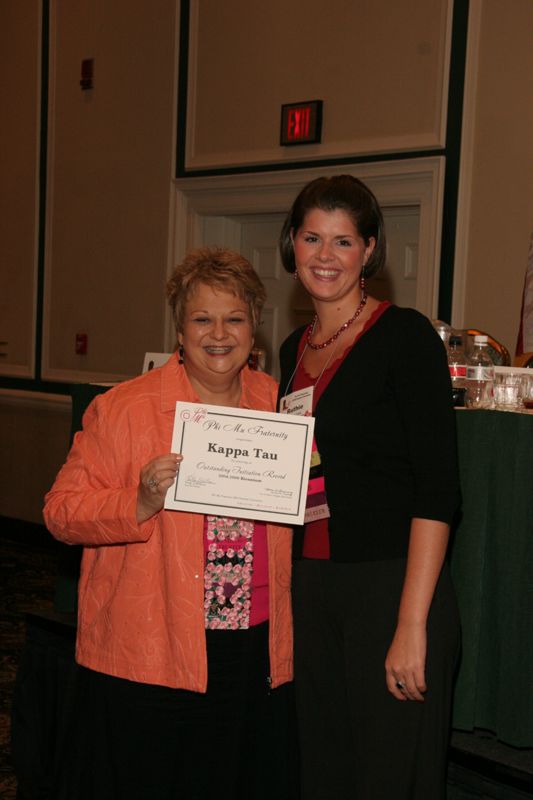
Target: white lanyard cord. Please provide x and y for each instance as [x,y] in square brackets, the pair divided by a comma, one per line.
[300,361]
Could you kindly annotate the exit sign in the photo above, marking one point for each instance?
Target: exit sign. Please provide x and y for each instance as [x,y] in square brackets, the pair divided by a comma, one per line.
[301,123]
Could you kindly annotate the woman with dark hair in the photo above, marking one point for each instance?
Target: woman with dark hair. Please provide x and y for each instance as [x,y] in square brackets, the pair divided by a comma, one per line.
[375,617]
[184,636]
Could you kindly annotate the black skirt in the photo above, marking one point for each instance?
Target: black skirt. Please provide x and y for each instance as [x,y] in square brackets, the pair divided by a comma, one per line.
[357,741]
[133,741]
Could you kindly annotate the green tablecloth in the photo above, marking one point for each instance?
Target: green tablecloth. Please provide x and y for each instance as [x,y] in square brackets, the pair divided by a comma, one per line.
[492,567]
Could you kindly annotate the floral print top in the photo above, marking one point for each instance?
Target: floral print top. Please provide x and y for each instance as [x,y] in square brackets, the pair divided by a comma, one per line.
[228,573]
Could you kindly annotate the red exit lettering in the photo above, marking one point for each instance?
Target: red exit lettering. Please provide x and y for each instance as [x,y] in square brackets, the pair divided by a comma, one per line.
[301,123]
[298,123]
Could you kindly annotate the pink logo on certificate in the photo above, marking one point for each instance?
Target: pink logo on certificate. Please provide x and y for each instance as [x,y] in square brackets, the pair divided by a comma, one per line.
[193,415]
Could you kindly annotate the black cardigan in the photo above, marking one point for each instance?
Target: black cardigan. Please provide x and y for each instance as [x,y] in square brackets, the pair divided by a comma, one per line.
[385,430]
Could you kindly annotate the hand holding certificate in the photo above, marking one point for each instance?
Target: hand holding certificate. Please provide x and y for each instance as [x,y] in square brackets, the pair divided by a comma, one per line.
[241,463]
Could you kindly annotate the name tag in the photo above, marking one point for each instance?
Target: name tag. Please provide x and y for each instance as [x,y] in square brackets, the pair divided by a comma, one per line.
[300,402]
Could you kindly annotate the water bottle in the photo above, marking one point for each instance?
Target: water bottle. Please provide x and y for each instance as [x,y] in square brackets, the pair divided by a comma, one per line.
[480,375]
[457,367]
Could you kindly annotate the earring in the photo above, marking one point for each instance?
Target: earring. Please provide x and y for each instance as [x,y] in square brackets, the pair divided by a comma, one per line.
[362,281]
[181,354]
[295,274]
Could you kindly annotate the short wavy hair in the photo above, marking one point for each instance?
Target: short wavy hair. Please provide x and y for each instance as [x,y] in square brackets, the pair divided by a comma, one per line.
[339,192]
[221,269]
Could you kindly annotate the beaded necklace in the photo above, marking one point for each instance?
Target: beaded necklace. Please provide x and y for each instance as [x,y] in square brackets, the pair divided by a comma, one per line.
[342,328]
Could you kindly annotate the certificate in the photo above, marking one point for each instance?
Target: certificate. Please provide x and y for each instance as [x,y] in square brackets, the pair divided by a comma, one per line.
[241,463]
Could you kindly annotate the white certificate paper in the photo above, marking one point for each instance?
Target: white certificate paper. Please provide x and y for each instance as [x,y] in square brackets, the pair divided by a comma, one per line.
[241,463]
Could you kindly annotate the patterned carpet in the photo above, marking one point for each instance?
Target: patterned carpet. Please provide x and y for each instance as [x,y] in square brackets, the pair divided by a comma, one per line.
[28,567]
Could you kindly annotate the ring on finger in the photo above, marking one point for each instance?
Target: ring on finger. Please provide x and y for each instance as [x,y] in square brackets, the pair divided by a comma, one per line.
[152,482]
[400,685]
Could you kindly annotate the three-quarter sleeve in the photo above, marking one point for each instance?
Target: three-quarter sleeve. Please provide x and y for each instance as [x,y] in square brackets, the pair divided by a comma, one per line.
[423,393]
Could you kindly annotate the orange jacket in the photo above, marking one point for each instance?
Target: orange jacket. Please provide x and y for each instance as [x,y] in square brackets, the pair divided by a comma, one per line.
[141,589]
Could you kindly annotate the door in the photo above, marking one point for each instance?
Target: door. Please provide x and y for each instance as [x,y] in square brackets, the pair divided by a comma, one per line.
[397,281]
[287,305]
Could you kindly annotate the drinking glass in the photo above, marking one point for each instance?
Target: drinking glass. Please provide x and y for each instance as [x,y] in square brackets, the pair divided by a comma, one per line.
[508,391]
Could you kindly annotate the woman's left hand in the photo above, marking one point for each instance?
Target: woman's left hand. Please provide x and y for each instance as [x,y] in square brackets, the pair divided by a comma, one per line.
[405,662]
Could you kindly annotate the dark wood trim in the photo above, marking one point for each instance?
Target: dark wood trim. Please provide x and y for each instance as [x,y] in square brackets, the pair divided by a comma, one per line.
[453,156]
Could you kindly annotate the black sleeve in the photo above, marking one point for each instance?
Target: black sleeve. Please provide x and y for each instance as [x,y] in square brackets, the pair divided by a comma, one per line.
[424,398]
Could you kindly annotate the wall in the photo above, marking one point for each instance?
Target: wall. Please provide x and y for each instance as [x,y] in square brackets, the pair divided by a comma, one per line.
[34,440]
[110,165]
[19,151]
[111,162]
[247,59]
[110,150]
[501,203]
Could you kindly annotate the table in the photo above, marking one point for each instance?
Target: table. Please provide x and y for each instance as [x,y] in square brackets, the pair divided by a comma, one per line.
[492,568]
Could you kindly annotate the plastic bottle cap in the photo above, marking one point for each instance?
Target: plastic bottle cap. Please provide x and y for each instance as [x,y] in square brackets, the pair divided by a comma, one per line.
[481,339]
